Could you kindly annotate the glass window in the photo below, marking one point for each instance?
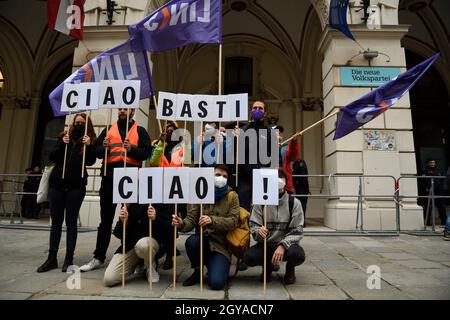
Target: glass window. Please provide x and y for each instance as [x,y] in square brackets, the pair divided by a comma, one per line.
[239,75]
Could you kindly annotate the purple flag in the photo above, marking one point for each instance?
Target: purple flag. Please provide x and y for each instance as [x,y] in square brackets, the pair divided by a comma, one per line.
[376,102]
[178,23]
[127,61]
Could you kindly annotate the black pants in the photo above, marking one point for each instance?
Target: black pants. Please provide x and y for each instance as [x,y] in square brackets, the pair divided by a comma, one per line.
[107,212]
[30,208]
[68,201]
[245,193]
[254,256]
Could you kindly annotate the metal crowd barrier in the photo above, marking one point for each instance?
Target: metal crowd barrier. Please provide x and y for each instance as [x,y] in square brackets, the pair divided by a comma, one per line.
[330,180]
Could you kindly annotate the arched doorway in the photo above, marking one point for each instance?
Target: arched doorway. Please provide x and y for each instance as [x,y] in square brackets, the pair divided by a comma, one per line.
[431,116]
[48,126]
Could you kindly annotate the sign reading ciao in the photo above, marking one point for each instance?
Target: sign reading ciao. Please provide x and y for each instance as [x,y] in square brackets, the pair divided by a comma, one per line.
[112,94]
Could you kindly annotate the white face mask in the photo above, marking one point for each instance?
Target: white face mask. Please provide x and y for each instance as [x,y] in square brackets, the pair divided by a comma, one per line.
[281,184]
[220,181]
[209,130]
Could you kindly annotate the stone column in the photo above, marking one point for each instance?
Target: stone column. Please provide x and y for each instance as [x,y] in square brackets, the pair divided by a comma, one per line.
[349,155]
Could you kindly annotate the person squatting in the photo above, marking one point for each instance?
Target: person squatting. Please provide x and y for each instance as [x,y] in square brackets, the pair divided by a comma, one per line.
[285,221]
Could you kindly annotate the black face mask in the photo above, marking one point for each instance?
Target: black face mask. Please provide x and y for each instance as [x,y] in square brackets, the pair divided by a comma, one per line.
[78,132]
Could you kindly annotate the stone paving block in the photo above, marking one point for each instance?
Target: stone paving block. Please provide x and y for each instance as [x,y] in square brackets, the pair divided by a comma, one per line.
[312,278]
[342,264]
[428,293]
[35,282]
[409,279]
[384,250]
[316,292]
[88,287]
[250,288]
[421,264]
[367,243]
[14,295]
[399,256]
[139,288]
[436,257]
[442,275]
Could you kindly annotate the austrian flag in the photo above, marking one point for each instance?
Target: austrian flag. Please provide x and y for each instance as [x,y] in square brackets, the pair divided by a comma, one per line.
[66,16]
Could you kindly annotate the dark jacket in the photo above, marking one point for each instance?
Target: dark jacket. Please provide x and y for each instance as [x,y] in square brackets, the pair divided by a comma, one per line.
[301,184]
[263,134]
[141,153]
[74,160]
[137,227]
[224,216]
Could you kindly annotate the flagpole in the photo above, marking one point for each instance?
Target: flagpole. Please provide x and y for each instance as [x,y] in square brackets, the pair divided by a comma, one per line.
[125,221]
[265,252]
[147,64]
[219,93]
[201,214]
[150,252]
[311,126]
[175,252]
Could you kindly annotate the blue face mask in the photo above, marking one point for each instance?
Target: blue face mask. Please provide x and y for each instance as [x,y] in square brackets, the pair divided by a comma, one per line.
[257,115]
[220,192]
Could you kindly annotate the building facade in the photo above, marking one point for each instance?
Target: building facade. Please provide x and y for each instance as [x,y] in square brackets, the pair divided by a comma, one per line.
[280,51]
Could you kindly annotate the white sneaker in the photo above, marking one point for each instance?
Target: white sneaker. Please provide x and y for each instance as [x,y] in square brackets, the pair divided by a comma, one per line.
[155,275]
[91,265]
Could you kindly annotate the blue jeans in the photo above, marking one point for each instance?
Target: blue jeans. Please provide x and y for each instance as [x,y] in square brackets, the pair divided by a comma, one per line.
[447,224]
[218,265]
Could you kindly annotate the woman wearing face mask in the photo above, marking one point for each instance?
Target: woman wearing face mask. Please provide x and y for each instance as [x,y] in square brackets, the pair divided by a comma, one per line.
[66,195]
[217,220]
[284,232]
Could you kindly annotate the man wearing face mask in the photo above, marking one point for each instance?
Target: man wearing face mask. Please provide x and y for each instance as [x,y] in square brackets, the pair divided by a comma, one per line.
[136,143]
[217,220]
[246,170]
[284,232]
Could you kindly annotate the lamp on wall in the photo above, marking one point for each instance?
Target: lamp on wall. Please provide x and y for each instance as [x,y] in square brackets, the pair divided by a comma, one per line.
[370,55]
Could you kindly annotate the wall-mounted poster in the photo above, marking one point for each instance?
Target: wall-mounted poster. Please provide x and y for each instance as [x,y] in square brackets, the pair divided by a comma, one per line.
[380,140]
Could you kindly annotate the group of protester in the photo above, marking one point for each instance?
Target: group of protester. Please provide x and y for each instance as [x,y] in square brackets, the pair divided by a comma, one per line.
[285,222]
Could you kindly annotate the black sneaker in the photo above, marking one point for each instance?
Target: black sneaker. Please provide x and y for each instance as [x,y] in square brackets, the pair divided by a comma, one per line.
[168,263]
[193,279]
[242,266]
[446,235]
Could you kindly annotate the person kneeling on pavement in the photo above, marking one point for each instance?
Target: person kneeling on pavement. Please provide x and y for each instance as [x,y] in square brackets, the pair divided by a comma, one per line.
[284,232]
[217,220]
[137,244]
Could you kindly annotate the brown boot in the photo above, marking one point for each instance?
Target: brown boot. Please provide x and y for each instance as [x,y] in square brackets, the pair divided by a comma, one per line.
[289,276]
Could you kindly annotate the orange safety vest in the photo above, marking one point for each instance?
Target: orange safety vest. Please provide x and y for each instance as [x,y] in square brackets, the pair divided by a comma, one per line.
[117,151]
[176,161]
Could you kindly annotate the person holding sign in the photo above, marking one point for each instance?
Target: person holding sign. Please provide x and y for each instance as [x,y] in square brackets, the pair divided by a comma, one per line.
[284,232]
[66,195]
[217,220]
[136,244]
[136,143]
[167,153]
[211,138]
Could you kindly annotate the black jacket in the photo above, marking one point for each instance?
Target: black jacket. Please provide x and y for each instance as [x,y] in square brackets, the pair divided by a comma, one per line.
[74,160]
[141,153]
[263,134]
[301,184]
[137,226]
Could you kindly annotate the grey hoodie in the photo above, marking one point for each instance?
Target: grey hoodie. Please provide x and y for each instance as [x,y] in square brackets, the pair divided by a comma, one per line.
[283,229]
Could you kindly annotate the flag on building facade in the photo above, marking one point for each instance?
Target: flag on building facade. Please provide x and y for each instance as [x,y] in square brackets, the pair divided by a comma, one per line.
[179,23]
[376,102]
[66,16]
[338,17]
[127,61]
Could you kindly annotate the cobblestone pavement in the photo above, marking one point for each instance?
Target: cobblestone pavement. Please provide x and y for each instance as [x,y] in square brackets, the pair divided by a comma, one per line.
[335,268]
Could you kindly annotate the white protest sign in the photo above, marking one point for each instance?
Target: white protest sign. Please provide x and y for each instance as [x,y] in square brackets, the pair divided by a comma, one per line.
[238,110]
[187,107]
[201,188]
[265,186]
[70,97]
[109,94]
[88,99]
[125,185]
[151,185]
[130,94]
[167,106]
[176,185]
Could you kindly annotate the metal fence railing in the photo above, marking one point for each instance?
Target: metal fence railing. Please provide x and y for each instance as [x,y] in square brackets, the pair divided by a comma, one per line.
[356,188]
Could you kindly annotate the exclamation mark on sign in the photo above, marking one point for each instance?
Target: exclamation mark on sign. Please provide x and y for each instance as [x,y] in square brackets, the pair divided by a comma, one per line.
[265,183]
[150,187]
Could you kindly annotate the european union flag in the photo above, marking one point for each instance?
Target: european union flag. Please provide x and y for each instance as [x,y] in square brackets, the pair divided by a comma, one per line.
[338,17]
[376,102]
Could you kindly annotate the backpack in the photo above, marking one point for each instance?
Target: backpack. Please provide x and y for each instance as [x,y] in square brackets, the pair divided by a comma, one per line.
[238,239]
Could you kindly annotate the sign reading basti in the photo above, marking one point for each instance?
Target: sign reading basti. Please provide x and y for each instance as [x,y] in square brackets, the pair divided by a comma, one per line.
[187,107]
[163,185]
[103,94]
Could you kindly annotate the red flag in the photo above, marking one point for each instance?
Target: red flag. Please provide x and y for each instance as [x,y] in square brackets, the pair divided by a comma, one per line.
[66,16]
